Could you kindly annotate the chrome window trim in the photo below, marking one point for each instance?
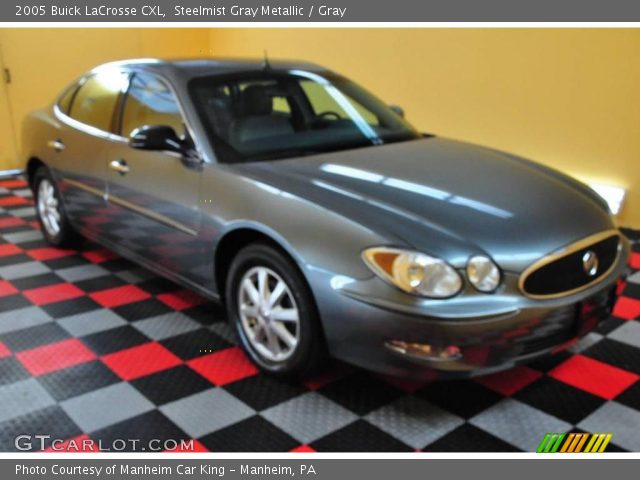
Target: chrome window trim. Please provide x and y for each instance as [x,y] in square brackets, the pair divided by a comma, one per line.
[88,129]
[91,130]
[84,127]
[564,252]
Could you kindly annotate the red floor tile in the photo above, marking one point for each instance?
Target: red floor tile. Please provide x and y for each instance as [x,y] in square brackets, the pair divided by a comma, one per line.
[11,222]
[510,381]
[593,376]
[9,249]
[627,308]
[225,366]
[181,299]
[4,350]
[49,253]
[6,288]
[55,356]
[139,361]
[13,183]
[634,261]
[53,293]
[303,449]
[114,297]
[99,256]
[13,200]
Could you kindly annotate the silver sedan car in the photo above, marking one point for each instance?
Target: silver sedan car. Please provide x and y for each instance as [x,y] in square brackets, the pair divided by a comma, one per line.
[321,218]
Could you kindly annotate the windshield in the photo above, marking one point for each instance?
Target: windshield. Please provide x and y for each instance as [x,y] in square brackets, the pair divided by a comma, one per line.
[269,115]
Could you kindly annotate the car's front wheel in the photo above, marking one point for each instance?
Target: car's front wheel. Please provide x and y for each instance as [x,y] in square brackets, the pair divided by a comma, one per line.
[51,214]
[273,313]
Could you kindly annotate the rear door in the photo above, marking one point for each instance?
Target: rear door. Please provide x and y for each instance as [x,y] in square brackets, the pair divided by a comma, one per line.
[80,144]
[154,195]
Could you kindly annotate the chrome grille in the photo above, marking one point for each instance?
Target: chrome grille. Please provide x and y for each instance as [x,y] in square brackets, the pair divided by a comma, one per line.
[572,269]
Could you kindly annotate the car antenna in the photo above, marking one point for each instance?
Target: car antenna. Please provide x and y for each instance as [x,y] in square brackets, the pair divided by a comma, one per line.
[267,65]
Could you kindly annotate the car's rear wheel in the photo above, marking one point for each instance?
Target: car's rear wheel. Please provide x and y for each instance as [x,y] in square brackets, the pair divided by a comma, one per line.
[53,220]
[273,313]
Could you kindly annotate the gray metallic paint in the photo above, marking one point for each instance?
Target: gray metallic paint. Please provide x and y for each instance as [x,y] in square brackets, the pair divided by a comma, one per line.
[445,198]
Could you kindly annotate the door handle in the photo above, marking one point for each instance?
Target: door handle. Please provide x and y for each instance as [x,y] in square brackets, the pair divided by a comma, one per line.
[56,145]
[119,166]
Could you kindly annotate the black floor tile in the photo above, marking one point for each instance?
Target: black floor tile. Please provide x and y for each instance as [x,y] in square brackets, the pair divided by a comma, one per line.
[360,436]
[77,380]
[169,385]
[114,340]
[263,437]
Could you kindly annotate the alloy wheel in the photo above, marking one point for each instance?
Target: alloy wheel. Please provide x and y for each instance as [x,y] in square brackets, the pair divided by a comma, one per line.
[268,313]
[49,207]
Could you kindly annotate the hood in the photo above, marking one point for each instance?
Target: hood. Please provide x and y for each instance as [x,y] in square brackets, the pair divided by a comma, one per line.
[446,198]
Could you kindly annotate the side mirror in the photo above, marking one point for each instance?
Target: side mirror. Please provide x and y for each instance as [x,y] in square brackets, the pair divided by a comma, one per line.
[156,137]
[397,109]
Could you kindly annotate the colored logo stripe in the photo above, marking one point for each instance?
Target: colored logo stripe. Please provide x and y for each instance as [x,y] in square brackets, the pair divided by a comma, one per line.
[598,443]
[550,443]
[574,443]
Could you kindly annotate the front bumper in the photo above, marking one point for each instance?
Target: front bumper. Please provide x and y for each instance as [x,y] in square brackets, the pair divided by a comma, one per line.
[493,333]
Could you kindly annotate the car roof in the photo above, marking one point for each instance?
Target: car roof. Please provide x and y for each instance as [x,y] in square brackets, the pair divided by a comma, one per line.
[195,67]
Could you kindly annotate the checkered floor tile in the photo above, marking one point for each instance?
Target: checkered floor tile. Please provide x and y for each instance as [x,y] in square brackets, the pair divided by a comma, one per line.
[93,348]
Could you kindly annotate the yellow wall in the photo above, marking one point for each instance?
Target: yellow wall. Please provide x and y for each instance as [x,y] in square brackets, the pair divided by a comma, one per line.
[8,152]
[43,61]
[566,97]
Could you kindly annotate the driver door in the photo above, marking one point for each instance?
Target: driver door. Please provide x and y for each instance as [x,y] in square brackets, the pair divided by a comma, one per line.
[154,195]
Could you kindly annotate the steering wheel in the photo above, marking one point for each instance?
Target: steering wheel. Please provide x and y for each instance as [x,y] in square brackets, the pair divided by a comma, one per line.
[329,114]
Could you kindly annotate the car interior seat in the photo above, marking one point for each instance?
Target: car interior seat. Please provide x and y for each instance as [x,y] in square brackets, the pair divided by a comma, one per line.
[256,118]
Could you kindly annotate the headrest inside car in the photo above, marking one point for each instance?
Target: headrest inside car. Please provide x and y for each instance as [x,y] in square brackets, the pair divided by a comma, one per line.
[255,100]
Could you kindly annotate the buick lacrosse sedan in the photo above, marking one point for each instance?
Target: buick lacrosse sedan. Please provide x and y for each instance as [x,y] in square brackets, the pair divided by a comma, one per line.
[322,219]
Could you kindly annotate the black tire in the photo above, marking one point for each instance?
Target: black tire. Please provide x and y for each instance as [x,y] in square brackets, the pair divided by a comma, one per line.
[310,351]
[66,236]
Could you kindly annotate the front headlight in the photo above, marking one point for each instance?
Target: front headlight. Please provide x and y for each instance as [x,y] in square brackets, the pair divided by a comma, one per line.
[483,273]
[414,272]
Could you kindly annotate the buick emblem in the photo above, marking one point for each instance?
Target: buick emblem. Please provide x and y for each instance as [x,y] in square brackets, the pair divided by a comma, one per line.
[590,263]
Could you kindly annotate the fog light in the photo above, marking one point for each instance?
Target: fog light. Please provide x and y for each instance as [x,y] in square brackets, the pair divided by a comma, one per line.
[424,350]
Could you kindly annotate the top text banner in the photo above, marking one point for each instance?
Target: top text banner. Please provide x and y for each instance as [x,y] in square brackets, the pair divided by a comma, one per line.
[320,11]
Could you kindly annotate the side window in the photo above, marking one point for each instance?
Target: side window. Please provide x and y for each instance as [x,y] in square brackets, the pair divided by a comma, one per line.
[96,99]
[149,101]
[64,103]
[281,105]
